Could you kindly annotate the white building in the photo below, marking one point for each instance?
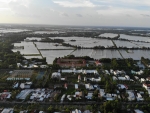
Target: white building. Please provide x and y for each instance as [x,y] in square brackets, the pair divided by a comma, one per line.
[138,111]
[89,86]
[146,86]
[131,96]
[76,86]
[8,110]
[101,92]
[89,96]
[139,97]
[26,85]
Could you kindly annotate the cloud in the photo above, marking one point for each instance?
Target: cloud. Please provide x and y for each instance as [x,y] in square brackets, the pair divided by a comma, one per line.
[145,15]
[79,15]
[63,14]
[74,3]
[128,15]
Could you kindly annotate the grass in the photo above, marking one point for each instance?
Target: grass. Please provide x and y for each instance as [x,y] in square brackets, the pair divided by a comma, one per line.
[3,75]
[70,90]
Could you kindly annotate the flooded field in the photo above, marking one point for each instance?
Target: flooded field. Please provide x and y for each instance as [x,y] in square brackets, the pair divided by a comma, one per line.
[127,44]
[142,44]
[52,54]
[44,45]
[86,42]
[53,50]
[108,35]
[33,38]
[136,38]
[97,54]
[29,48]
[135,54]
[2,30]
[46,32]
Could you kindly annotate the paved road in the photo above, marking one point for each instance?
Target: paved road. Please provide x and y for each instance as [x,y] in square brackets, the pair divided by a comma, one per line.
[68,103]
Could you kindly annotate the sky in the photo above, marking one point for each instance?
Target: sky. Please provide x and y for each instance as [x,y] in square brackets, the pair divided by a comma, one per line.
[133,13]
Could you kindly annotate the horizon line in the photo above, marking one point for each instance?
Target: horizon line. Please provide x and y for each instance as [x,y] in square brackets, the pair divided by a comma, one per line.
[73,25]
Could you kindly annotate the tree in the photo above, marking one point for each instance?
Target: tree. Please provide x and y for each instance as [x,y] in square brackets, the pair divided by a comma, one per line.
[50,109]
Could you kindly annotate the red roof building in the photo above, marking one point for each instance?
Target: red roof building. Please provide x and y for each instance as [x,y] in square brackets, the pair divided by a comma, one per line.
[71,62]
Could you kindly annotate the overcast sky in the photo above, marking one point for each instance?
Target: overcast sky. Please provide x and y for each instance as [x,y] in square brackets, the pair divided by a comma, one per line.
[77,12]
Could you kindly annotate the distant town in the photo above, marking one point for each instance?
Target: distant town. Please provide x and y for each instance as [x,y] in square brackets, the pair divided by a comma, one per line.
[70,69]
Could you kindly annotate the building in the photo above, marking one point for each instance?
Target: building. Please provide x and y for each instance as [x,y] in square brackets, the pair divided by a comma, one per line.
[138,111]
[26,85]
[97,63]
[89,86]
[148,79]
[76,86]
[62,62]
[56,75]
[20,75]
[146,86]
[131,96]
[139,97]
[8,110]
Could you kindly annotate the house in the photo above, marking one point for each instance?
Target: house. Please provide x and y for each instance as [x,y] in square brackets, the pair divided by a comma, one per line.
[26,85]
[23,94]
[142,80]
[122,86]
[43,66]
[122,78]
[95,79]
[110,96]
[101,92]
[85,79]
[41,111]
[16,85]
[131,96]
[146,86]
[62,79]
[63,62]
[137,78]
[7,110]
[76,111]
[89,95]
[115,78]
[89,86]
[139,97]
[117,72]
[107,72]
[148,79]
[56,75]
[111,71]
[86,111]
[138,111]
[97,63]
[76,86]
[79,78]
[138,72]
[69,97]
[63,97]
[65,85]
[127,77]
[78,94]
[5,95]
